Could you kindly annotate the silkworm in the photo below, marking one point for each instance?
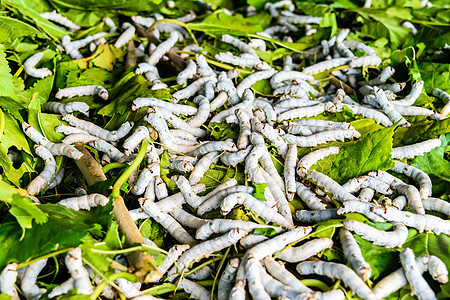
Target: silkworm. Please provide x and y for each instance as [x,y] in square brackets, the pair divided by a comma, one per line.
[359,46]
[365,61]
[84,202]
[187,219]
[79,138]
[202,112]
[172,107]
[66,108]
[163,48]
[70,48]
[360,207]
[243,47]
[173,254]
[105,147]
[190,196]
[278,195]
[388,108]
[307,161]
[251,161]
[233,158]
[284,276]
[87,40]
[353,254]
[316,216]
[419,286]
[247,101]
[181,164]
[153,76]
[385,74]
[215,200]
[86,90]
[411,151]
[252,79]
[244,129]
[249,61]
[202,166]
[343,50]
[111,24]
[388,239]
[191,89]
[67,130]
[194,290]
[266,107]
[337,271]
[368,113]
[445,97]
[412,110]
[269,167]
[307,196]
[95,130]
[214,146]
[60,19]
[47,174]
[417,175]
[278,78]
[225,225]
[7,279]
[132,142]
[326,65]
[63,288]
[30,66]
[290,103]
[323,123]
[435,204]
[144,178]
[187,73]
[146,22]
[28,281]
[438,269]
[322,137]
[256,287]
[175,201]
[272,135]
[305,251]
[302,112]
[298,19]
[289,171]
[355,184]
[226,280]
[415,92]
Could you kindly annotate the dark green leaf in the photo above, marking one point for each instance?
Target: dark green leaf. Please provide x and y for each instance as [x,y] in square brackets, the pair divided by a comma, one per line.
[258,191]
[433,162]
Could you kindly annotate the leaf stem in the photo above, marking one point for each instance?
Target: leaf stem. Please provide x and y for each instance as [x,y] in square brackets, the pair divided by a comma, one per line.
[111,166]
[99,288]
[44,256]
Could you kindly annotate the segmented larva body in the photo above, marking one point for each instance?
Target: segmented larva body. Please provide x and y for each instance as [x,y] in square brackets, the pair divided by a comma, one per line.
[291,103]
[244,129]
[256,206]
[305,251]
[354,255]
[383,77]
[242,61]
[202,273]
[66,108]
[367,113]
[105,147]
[330,186]
[225,225]
[153,76]
[181,164]
[175,201]
[326,65]
[285,277]
[176,109]
[30,66]
[388,239]
[277,79]
[366,194]
[214,146]
[70,48]
[358,183]
[132,142]
[203,111]
[163,48]
[310,198]
[444,97]
[412,110]
[226,280]
[126,36]
[243,47]
[266,107]
[191,197]
[191,89]
[68,130]
[47,174]
[251,162]
[232,159]
[414,150]
[435,204]
[95,130]
[360,207]
[63,288]
[60,19]
[289,171]
[28,281]
[85,90]
[144,178]
[215,200]
[290,17]
[202,166]
[272,135]
[360,46]
[173,254]
[303,112]
[187,73]
[281,202]
[255,285]
[78,272]
[7,279]
[337,271]
[269,167]
[187,219]
[79,138]
[252,79]
[195,290]
[365,61]
[419,286]
[388,108]
[307,161]
[437,269]
[417,175]
[203,67]
[316,216]
[168,222]
[84,202]
[247,101]
[415,92]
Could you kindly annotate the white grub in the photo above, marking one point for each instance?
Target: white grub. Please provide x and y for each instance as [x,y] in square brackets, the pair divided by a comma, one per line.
[289,171]
[176,109]
[187,219]
[181,164]
[323,123]
[282,203]
[66,108]
[202,166]
[302,112]
[132,142]
[393,87]
[310,199]
[445,97]
[168,222]
[247,98]
[435,204]
[278,242]
[422,179]
[57,180]
[330,186]
[252,79]
[126,36]
[438,269]
[360,207]
[195,290]
[365,61]
[8,277]
[419,286]
[251,162]
[153,76]
[388,239]
[221,187]
[255,285]
[47,174]
[203,111]
[78,138]
[354,255]
[213,146]
[214,201]
[78,272]
[225,84]
[163,48]
[28,281]
[244,129]
[226,280]
[60,19]
[187,73]
[388,108]
[233,158]
[191,89]
[337,271]
[385,74]
[358,183]
[278,271]
[191,197]
[326,65]
[305,251]
[225,225]
[256,206]
[360,46]
[105,147]
[415,92]
[206,248]
[144,179]
[85,90]
[280,77]
[307,161]
[30,66]
[418,221]
[316,216]
[414,150]
[84,202]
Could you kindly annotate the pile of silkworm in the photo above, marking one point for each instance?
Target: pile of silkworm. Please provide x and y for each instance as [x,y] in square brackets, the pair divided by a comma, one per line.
[262,266]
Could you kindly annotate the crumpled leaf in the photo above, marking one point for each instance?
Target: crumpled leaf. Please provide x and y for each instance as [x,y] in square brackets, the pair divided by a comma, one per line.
[420,131]
[10,29]
[106,55]
[6,83]
[433,162]
[222,131]
[259,191]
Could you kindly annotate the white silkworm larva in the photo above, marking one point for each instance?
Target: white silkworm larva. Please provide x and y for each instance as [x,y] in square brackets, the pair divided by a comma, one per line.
[269,167]
[78,138]
[278,79]
[323,123]
[30,69]
[95,130]
[181,164]
[305,251]
[135,139]
[244,129]
[191,197]
[195,290]
[187,73]
[360,46]
[282,203]
[232,159]
[191,89]
[316,216]
[360,207]
[28,282]
[368,113]
[326,65]
[298,19]
[163,48]
[66,108]
[355,184]
[70,48]
[215,200]
[203,67]
[126,36]
[78,272]
[291,103]
[435,204]
[412,110]
[174,253]
[366,194]
[7,279]
[307,161]
[247,101]
[438,269]
[84,202]
[168,222]
[310,199]
[252,79]
[417,175]
[243,47]
[255,285]
[57,180]
[388,239]
[85,90]
[63,288]
[255,205]
[419,286]
[109,149]
[330,186]
[354,255]
[270,133]
[176,122]
[251,161]
[187,219]
[388,108]
[67,130]
[289,171]
[221,187]
[252,240]
[144,178]
[241,61]
[415,92]
[203,111]
[172,107]
[338,271]
[302,112]
[414,150]
[202,166]
[161,191]
[226,280]
[266,107]
[445,97]
[214,146]
[225,225]
[47,174]
[60,19]
[281,274]
[365,61]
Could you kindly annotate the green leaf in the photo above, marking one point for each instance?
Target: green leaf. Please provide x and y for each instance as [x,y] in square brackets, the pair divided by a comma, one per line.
[259,191]
[6,83]
[10,29]
[133,5]
[222,131]
[433,162]
[420,131]
[106,55]
[42,87]
[435,75]
[371,152]
[153,231]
